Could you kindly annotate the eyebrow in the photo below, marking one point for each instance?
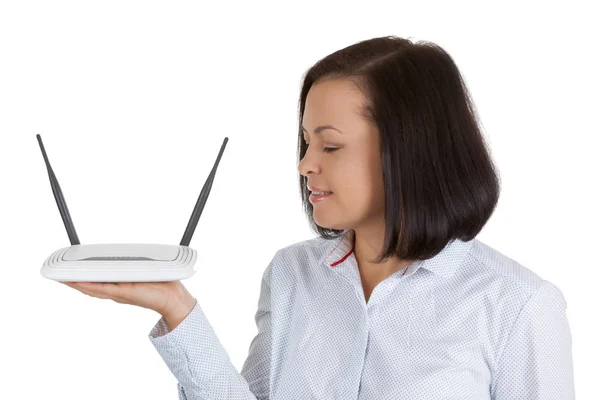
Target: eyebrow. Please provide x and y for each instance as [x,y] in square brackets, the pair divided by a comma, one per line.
[321,128]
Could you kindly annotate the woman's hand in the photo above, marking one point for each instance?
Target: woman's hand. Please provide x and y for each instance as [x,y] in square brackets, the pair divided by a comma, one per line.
[170,299]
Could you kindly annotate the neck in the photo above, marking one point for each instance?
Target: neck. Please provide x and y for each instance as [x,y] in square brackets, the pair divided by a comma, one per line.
[367,244]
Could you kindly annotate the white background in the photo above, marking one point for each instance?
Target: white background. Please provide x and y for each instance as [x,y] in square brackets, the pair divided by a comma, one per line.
[133,101]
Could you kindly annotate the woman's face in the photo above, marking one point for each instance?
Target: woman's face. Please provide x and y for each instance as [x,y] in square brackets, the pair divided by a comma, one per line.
[353,171]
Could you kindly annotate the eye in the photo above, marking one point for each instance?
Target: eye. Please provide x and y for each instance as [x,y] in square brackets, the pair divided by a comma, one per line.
[325,149]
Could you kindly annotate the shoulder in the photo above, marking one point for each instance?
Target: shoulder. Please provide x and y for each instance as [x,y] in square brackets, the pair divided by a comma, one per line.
[506,282]
[500,267]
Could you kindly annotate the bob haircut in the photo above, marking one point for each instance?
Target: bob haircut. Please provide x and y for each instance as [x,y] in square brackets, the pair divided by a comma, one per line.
[439,179]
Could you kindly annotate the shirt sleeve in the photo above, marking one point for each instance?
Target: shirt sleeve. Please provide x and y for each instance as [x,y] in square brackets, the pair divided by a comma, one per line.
[196,357]
[537,360]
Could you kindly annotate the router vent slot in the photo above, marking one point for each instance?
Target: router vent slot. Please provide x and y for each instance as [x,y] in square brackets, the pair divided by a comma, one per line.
[123,258]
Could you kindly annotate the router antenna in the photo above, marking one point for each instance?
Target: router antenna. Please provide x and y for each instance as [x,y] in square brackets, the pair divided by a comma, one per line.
[191,226]
[60,200]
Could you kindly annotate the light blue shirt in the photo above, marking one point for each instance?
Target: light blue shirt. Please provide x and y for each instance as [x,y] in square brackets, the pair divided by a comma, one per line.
[469,323]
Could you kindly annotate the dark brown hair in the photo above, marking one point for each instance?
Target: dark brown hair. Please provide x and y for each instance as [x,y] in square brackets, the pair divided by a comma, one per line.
[439,178]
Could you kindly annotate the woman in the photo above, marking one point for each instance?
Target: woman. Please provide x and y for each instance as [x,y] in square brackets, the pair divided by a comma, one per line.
[395,299]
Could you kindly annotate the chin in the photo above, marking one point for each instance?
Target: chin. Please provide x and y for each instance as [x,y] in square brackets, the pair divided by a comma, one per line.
[329,224]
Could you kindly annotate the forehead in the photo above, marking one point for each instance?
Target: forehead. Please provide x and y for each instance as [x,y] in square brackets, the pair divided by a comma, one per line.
[335,102]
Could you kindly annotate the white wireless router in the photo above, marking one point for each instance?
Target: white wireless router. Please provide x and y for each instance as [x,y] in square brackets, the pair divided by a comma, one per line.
[123,262]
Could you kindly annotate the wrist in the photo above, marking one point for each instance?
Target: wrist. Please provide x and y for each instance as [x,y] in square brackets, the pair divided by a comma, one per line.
[181,309]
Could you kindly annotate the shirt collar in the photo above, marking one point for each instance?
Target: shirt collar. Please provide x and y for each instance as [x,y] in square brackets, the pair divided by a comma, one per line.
[444,263]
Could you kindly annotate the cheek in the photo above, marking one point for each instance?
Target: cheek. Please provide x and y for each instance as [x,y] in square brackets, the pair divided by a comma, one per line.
[360,188]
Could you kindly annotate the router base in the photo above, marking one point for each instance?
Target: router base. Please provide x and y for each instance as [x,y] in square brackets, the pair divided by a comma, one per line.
[120,262]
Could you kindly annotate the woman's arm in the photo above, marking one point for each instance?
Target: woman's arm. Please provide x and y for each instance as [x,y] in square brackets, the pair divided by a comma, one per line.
[195,356]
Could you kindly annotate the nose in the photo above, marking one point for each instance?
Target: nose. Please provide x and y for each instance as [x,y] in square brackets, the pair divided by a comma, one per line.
[307,165]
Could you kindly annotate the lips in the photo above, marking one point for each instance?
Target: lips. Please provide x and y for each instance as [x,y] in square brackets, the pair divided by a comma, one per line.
[315,189]
[316,198]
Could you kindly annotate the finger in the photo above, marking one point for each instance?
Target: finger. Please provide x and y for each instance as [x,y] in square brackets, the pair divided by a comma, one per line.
[92,294]
[71,285]
[91,289]
[104,289]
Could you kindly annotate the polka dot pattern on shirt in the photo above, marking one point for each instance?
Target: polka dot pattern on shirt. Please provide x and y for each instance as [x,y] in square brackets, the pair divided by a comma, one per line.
[469,323]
